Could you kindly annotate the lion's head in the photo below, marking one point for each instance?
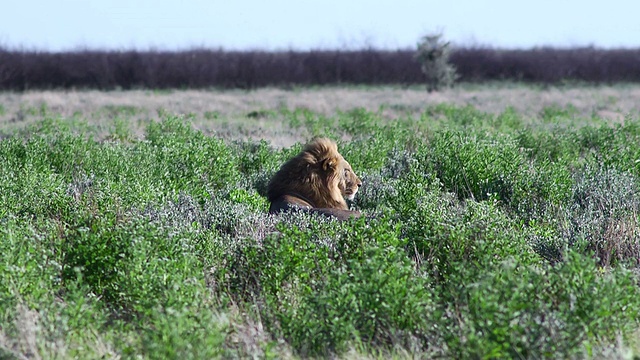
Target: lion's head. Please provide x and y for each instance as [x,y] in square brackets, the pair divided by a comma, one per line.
[319,175]
[350,183]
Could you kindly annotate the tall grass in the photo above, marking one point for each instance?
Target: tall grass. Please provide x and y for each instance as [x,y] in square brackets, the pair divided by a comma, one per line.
[483,239]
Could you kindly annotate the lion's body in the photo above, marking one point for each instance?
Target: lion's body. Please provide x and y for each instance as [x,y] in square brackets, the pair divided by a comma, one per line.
[317,180]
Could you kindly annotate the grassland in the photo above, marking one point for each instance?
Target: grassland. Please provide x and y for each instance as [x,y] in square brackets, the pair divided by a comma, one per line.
[501,222]
[261,114]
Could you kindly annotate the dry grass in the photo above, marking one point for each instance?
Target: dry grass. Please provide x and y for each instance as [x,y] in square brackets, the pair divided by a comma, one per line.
[34,341]
[226,111]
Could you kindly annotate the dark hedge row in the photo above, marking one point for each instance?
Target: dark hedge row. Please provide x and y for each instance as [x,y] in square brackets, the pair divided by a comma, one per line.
[23,70]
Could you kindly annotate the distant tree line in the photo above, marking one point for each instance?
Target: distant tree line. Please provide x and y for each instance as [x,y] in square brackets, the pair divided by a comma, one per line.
[202,68]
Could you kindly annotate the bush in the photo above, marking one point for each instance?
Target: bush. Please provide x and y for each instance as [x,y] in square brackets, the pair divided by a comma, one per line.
[480,239]
[603,214]
[496,168]
[324,287]
[433,56]
[186,159]
[521,311]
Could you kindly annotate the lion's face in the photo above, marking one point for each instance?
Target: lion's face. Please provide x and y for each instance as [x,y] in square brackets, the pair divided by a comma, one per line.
[350,182]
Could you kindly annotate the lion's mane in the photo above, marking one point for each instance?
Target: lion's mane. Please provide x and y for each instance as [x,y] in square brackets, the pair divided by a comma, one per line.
[314,176]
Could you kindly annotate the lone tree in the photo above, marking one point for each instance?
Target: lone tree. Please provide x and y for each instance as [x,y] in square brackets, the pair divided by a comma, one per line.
[433,55]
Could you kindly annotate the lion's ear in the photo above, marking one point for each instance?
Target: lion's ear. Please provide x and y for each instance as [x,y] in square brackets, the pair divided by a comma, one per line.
[330,163]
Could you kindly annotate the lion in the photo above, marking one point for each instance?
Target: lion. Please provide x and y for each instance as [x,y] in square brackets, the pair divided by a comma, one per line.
[317,180]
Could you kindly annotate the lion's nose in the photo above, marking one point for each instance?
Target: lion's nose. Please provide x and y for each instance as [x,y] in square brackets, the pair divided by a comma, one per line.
[359,184]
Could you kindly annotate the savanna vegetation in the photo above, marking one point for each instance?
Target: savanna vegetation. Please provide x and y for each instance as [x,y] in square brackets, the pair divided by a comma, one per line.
[485,235]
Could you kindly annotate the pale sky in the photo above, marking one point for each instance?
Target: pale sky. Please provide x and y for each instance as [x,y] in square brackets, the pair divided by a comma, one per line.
[328,24]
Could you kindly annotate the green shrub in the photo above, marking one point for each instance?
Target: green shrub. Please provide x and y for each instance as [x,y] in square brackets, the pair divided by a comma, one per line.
[477,168]
[121,130]
[508,120]
[331,284]
[482,168]
[314,124]
[453,240]
[257,156]
[187,160]
[132,266]
[554,146]
[464,117]
[544,312]
[174,332]
[480,238]
[29,267]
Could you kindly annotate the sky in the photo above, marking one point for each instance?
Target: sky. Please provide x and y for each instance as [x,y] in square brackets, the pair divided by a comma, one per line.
[61,25]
